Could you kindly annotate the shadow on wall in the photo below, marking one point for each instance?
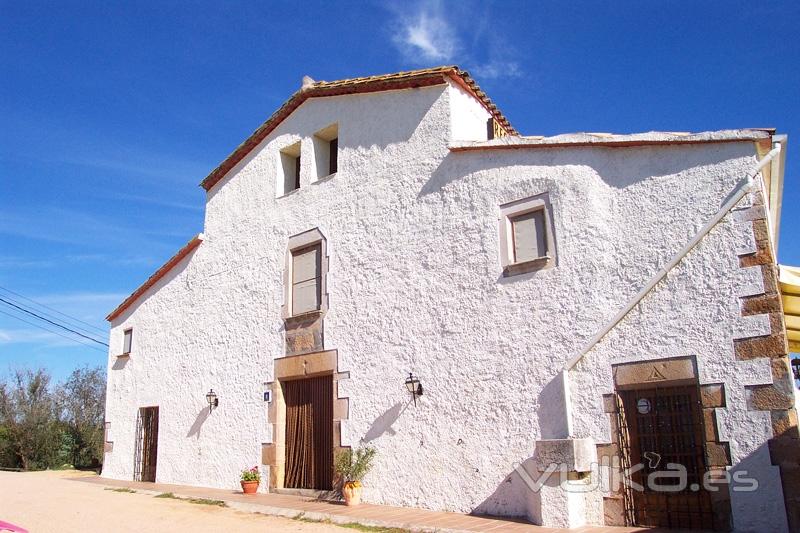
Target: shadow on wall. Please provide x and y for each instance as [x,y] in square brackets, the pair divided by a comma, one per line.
[613,165]
[198,422]
[119,363]
[509,498]
[383,424]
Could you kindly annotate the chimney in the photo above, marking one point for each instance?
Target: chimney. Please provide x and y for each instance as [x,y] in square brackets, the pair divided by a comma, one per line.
[308,81]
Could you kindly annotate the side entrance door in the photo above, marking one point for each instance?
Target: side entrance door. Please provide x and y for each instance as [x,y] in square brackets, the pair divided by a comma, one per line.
[664,426]
[146,444]
[309,433]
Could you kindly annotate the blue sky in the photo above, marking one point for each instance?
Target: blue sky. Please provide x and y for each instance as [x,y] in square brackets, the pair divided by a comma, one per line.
[113,112]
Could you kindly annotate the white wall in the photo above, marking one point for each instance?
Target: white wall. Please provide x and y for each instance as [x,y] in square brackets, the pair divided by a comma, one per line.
[415,284]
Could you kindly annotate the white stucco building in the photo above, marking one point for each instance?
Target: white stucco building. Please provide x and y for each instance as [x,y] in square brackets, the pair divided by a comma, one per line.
[574,299]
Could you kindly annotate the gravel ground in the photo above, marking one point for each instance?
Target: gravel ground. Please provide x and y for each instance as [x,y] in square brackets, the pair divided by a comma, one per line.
[49,501]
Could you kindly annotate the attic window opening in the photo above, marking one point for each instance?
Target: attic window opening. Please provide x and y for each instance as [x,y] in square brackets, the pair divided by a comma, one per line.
[290,166]
[326,151]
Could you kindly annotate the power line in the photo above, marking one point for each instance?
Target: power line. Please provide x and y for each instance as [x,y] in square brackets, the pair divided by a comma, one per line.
[49,316]
[51,322]
[100,330]
[53,332]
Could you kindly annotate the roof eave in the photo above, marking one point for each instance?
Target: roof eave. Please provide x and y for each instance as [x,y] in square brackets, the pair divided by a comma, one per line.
[399,81]
[156,276]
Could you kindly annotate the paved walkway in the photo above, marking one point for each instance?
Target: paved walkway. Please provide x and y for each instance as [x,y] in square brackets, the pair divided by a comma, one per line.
[366,514]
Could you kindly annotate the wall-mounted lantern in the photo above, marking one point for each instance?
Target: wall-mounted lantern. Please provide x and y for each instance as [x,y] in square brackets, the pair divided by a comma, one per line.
[211,398]
[414,387]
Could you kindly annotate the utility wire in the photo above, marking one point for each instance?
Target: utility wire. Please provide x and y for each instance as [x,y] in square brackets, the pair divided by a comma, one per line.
[53,332]
[50,316]
[100,330]
[54,323]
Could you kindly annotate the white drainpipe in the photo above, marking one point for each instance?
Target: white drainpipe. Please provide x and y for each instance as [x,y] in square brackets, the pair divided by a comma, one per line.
[741,189]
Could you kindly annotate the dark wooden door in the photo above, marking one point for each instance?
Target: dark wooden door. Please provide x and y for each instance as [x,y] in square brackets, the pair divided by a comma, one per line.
[665,426]
[146,444]
[309,433]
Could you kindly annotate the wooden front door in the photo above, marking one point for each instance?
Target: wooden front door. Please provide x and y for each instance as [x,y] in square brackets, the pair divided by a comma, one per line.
[146,444]
[309,433]
[665,425]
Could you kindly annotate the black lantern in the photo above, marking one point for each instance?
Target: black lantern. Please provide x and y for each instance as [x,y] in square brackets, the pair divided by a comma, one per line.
[211,398]
[796,368]
[414,387]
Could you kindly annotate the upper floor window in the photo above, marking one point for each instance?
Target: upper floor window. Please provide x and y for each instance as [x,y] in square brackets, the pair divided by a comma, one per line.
[526,235]
[290,167]
[127,340]
[326,151]
[306,279]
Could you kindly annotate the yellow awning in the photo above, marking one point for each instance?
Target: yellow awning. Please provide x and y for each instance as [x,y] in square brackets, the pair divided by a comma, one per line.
[790,293]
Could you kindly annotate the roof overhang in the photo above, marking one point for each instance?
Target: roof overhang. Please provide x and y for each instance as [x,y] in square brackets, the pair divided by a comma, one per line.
[790,295]
[157,275]
[389,82]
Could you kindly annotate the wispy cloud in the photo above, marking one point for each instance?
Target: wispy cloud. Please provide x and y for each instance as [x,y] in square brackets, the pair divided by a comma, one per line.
[437,32]
[424,34]
[155,201]
[497,69]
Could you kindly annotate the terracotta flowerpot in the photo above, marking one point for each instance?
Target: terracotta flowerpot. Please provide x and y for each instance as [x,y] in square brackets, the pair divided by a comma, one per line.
[249,487]
[352,493]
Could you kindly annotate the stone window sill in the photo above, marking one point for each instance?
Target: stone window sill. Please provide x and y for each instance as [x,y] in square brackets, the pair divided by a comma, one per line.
[124,355]
[308,316]
[525,267]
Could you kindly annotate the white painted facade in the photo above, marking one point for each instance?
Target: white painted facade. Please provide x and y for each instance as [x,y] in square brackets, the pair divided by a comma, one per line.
[415,284]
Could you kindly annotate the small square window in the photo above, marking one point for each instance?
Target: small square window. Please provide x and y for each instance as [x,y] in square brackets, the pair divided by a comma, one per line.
[333,156]
[290,166]
[526,236]
[326,151]
[529,236]
[127,340]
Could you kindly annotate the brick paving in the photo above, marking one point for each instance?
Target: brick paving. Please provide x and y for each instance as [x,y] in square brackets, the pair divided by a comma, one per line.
[293,506]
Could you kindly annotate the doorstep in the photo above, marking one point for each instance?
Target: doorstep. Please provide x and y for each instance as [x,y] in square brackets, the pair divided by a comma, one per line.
[310,508]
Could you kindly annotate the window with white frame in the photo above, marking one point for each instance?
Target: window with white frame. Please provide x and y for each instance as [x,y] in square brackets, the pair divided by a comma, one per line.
[127,340]
[526,235]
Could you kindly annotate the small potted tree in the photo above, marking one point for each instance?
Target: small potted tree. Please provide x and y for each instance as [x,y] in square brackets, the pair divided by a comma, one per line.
[250,480]
[351,467]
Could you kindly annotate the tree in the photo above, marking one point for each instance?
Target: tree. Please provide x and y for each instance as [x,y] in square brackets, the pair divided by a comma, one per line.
[29,420]
[82,400]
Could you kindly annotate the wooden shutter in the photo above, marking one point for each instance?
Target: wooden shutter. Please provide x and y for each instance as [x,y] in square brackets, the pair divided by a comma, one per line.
[530,238]
[334,156]
[306,279]
[127,342]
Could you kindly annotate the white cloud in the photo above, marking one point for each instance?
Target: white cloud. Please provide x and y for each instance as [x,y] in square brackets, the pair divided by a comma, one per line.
[425,35]
[497,69]
[434,32]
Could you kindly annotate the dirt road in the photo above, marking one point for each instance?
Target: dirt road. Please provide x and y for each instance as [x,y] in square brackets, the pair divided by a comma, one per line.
[48,501]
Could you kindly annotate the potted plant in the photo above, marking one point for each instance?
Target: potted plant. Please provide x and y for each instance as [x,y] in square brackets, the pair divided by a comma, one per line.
[250,479]
[351,467]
